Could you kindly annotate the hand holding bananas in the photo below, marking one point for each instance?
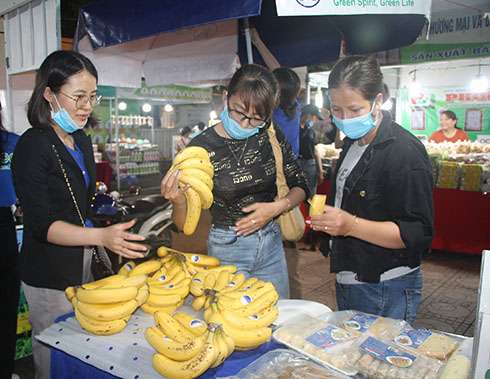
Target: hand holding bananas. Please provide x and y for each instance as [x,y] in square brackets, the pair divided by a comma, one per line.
[189,184]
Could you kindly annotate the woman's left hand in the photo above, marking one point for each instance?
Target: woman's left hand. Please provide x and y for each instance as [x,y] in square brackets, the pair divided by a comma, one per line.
[333,221]
[259,214]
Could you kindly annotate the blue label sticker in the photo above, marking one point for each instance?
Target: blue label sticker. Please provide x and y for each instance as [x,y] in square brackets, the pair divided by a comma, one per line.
[245,299]
[195,258]
[413,338]
[387,353]
[360,322]
[328,337]
[196,323]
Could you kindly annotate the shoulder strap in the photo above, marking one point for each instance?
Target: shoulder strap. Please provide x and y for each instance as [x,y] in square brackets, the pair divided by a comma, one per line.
[282,188]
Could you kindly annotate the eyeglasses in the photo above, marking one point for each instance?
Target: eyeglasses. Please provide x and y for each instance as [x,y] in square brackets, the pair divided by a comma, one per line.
[252,121]
[82,100]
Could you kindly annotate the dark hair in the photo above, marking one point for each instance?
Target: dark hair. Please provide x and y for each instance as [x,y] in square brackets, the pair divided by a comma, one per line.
[54,72]
[185,130]
[289,85]
[201,125]
[256,87]
[386,93]
[451,115]
[359,72]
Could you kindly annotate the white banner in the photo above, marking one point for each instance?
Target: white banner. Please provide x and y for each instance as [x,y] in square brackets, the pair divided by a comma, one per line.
[350,7]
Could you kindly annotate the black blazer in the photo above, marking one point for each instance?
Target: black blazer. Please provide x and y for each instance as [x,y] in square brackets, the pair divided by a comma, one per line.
[44,198]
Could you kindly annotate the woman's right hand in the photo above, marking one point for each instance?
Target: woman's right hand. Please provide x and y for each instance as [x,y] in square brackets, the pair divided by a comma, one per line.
[170,188]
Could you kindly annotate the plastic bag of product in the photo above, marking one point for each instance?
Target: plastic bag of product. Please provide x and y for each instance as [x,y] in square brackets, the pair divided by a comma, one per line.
[430,343]
[320,341]
[377,359]
[448,174]
[286,364]
[359,322]
[459,364]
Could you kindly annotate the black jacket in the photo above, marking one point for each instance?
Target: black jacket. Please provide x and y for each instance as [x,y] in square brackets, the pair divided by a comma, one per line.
[391,182]
[44,198]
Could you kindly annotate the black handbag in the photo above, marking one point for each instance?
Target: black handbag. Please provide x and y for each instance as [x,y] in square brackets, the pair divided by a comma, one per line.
[101,265]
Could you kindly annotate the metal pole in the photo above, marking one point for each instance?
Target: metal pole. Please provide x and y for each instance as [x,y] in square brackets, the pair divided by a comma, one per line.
[116,112]
[248,42]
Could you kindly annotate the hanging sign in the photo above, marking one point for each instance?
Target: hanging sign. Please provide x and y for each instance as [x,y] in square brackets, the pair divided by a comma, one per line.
[350,7]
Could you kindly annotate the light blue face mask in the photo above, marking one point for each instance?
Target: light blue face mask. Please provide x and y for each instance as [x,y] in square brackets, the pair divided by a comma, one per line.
[63,119]
[233,128]
[356,127]
[309,123]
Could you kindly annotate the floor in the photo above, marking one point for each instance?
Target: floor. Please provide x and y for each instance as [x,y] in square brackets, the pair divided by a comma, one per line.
[449,296]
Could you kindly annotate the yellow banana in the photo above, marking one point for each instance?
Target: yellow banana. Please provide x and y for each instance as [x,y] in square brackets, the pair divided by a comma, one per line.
[205,194]
[236,282]
[106,295]
[107,312]
[142,296]
[126,268]
[178,277]
[137,280]
[166,277]
[201,164]
[202,260]
[207,302]
[197,284]
[74,302]
[162,251]
[245,339]
[101,282]
[317,203]
[245,299]
[221,347]
[191,368]
[209,281]
[163,300]
[193,212]
[198,174]
[261,320]
[70,292]
[167,258]
[178,351]
[216,269]
[161,272]
[262,303]
[191,152]
[152,310]
[172,328]
[249,282]
[198,302]
[147,267]
[181,288]
[222,280]
[259,287]
[192,324]
[229,342]
[100,327]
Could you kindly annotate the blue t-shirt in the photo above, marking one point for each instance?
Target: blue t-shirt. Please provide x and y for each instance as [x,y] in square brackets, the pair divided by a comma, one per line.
[290,127]
[7,194]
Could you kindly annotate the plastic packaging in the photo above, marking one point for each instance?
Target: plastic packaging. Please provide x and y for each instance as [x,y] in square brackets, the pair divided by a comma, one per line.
[375,359]
[285,364]
[323,342]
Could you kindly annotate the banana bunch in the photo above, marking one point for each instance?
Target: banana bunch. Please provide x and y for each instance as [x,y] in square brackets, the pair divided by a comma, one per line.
[186,348]
[105,306]
[168,287]
[245,313]
[196,171]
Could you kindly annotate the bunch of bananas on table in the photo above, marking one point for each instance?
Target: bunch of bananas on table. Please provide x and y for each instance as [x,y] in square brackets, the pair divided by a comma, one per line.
[105,306]
[196,171]
[186,348]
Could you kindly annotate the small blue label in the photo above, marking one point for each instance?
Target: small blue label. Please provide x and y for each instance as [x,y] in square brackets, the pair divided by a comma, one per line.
[360,322]
[195,323]
[245,299]
[387,353]
[195,258]
[162,278]
[328,337]
[412,338]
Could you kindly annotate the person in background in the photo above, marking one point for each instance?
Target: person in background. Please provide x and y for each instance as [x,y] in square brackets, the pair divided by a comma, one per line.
[244,231]
[449,132]
[309,157]
[10,281]
[56,250]
[379,216]
[287,115]
[184,139]
[200,127]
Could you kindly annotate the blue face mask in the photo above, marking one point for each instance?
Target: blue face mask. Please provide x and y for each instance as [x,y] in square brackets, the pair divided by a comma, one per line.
[63,119]
[309,123]
[356,127]
[234,129]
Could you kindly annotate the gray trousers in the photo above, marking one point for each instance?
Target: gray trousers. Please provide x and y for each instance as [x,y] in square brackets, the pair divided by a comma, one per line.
[292,259]
[45,306]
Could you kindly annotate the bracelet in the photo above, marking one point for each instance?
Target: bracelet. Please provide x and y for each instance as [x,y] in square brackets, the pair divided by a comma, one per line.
[353,227]
[289,204]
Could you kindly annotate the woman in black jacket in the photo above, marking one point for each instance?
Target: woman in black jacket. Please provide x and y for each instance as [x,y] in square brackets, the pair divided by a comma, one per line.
[380,212]
[54,253]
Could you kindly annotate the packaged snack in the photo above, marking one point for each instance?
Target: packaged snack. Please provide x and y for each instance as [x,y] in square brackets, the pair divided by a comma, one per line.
[321,341]
[458,365]
[359,322]
[426,342]
[286,364]
[376,359]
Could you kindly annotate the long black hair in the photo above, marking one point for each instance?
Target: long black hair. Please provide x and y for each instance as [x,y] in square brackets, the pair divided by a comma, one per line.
[54,72]
[289,84]
[359,72]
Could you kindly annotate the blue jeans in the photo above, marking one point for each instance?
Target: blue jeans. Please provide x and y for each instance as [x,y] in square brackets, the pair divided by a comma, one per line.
[396,298]
[259,255]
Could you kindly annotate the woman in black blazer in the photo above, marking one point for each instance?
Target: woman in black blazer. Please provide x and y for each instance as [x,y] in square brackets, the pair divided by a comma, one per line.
[54,251]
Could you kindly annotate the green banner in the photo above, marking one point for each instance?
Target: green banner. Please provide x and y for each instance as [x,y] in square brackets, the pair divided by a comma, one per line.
[418,53]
